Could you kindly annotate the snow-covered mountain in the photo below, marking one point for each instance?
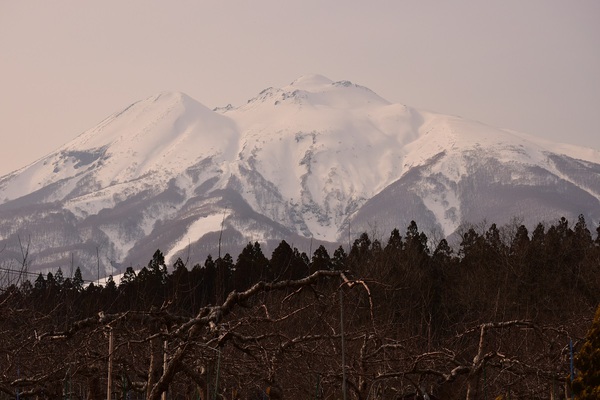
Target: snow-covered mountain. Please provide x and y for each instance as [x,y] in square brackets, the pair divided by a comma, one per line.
[314,162]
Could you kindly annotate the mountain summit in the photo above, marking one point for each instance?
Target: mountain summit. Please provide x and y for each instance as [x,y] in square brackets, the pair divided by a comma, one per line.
[315,160]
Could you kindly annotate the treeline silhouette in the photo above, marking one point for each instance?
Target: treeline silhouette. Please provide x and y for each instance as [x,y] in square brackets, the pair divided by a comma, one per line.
[421,301]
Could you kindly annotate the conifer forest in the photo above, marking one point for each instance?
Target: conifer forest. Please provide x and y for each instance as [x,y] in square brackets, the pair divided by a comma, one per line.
[507,314]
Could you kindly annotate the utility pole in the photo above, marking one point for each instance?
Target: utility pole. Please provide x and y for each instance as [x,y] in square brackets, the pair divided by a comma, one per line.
[343,344]
[98,264]
[164,394]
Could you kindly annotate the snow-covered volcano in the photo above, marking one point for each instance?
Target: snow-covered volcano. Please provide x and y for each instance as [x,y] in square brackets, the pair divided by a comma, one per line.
[315,160]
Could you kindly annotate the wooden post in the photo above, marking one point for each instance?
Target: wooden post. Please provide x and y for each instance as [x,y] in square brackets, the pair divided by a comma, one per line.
[343,344]
[110,364]
[164,394]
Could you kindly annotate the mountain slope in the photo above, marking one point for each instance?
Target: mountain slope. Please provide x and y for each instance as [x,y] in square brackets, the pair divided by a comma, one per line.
[314,162]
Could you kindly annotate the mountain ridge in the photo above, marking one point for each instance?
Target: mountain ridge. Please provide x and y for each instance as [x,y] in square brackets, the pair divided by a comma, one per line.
[313,160]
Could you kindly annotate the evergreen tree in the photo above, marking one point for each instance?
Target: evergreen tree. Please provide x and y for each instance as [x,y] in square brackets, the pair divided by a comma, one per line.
[470,243]
[207,286]
[109,293]
[300,266]
[416,241]
[128,277]
[179,264]
[581,230]
[59,278]
[394,244]
[51,282]
[493,240]
[78,280]
[40,283]
[143,277]
[582,240]
[280,262]
[360,254]
[520,243]
[158,267]
[320,260]
[361,247]
[416,252]
[179,286]
[376,248]
[338,262]
[442,254]
[251,267]
[148,289]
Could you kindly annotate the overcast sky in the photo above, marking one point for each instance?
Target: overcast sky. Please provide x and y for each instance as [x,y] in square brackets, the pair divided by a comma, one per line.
[528,65]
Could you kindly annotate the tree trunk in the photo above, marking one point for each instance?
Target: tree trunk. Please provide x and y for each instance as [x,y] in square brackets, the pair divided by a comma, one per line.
[472,387]
[156,364]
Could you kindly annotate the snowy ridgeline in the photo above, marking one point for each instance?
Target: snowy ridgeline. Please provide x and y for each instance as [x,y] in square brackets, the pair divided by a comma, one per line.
[315,160]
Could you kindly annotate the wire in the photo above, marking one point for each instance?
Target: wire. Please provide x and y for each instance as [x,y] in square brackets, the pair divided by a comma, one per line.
[36,274]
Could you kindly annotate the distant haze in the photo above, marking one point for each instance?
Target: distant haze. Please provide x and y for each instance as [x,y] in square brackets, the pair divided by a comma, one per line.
[530,66]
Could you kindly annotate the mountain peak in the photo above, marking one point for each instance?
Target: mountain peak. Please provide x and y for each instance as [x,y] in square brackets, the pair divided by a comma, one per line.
[311,82]
[175,95]
[175,98]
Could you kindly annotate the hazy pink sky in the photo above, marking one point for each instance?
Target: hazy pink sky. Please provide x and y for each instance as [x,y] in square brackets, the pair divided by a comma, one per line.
[532,66]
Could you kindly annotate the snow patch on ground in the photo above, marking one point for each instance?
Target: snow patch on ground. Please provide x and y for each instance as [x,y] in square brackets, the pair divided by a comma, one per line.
[121,242]
[446,208]
[197,229]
